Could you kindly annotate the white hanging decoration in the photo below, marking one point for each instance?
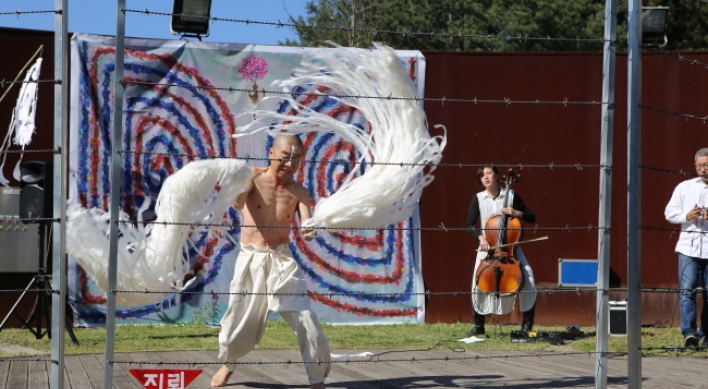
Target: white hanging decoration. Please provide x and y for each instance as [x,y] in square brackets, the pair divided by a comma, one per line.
[397,150]
[151,258]
[22,124]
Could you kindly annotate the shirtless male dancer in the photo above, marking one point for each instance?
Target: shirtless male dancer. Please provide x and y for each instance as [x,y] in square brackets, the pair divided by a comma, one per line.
[265,265]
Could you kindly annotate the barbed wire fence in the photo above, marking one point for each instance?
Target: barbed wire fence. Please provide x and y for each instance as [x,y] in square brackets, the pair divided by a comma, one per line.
[443,100]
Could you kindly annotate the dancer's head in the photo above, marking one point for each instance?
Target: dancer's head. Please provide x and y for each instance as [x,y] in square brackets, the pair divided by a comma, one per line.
[285,155]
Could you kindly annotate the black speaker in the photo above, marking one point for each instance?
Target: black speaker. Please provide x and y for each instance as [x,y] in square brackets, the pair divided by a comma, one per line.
[618,318]
[36,185]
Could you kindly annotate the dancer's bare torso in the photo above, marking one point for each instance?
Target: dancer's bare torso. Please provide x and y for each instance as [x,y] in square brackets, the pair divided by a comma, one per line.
[270,204]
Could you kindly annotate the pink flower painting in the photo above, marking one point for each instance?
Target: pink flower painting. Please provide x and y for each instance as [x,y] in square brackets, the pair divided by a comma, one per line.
[253,68]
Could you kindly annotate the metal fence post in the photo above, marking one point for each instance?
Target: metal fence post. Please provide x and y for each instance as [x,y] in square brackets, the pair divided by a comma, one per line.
[603,250]
[116,146]
[634,186]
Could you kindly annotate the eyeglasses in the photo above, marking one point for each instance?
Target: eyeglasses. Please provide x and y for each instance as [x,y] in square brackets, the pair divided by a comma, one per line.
[701,166]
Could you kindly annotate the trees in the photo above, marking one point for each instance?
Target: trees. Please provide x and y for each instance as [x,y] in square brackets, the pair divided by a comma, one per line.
[687,27]
[349,15]
[490,25]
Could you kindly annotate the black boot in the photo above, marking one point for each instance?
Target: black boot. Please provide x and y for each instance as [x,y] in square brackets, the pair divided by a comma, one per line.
[527,323]
[478,325]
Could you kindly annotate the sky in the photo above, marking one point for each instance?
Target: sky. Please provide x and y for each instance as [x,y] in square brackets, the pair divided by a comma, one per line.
[99,17]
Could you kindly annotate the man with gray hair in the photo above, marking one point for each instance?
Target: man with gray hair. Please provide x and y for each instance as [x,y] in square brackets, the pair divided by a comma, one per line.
[689,208]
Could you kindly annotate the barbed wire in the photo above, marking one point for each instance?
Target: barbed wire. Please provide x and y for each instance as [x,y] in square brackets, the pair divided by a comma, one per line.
[674,113]
[10,359]
[506,101]
[31,220]
[360,294]
[3,82]
[681,172]
[575,289]
[551,165]
[280,24]
[18,12]
[672,230]
[690,61]
[675,349]
[678,56]
[53,151]
[387,228]
[377,360]
[382,294]
[28,290]
[665,289]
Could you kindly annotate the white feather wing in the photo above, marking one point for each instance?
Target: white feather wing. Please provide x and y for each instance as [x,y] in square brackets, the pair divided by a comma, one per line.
[152,258]
[398,149]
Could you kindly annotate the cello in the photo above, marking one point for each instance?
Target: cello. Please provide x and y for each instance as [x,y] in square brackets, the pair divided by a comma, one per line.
[500,272]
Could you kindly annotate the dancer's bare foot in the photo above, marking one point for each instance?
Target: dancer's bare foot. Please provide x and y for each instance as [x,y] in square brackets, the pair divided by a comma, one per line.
[222,377]
[321,385]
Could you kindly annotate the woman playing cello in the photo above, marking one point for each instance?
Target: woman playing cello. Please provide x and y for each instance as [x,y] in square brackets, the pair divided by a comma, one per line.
[489,203]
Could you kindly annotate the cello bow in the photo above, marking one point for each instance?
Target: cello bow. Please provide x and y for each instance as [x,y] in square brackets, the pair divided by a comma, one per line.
[517,243]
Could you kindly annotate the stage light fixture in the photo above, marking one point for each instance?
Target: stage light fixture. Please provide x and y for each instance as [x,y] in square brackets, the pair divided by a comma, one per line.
[654,26]
[191,18]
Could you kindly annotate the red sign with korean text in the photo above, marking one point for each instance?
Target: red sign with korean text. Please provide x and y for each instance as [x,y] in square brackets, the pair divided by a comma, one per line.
[165,378]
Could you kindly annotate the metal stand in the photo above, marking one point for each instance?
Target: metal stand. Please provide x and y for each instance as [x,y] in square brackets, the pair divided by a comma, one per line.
[41,284]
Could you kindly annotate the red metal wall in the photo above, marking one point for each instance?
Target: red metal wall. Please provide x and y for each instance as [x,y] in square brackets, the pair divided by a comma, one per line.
[558,134]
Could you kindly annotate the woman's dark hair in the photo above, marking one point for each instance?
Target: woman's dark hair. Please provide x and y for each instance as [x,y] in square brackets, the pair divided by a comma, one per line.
[480,172]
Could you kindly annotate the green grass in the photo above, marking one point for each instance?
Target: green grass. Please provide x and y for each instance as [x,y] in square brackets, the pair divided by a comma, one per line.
[279,336]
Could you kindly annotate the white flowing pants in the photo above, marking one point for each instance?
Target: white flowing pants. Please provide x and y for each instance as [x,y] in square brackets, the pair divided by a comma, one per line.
[265,271]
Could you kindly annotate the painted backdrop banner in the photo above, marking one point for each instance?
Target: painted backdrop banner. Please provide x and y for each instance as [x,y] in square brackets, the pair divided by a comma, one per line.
[360,277]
